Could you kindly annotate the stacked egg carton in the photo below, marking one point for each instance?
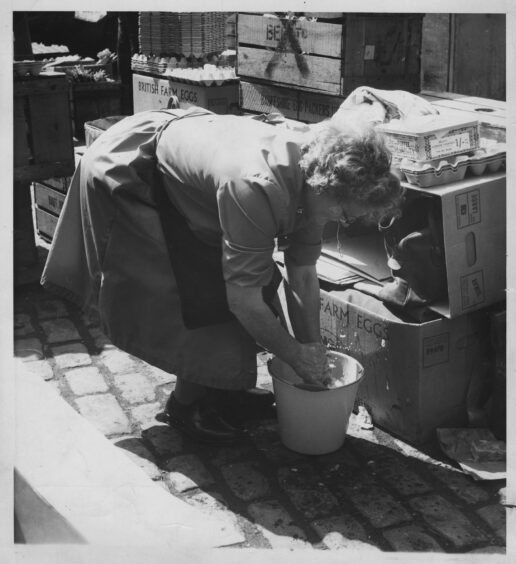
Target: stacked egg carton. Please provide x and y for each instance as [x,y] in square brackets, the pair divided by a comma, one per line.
[191,34]
[432,150]
[490,157]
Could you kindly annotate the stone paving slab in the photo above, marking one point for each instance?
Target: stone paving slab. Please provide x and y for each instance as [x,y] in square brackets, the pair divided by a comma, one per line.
[86,380]
[105,413]
[375,494]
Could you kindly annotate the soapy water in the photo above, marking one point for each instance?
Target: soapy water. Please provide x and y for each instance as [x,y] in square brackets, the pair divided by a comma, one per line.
[336,374]
[375,358]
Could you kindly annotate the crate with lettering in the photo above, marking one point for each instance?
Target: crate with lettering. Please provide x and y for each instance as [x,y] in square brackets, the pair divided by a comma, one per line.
[49,197]
[293,104]
[332,56]
[153,93]
[416,375]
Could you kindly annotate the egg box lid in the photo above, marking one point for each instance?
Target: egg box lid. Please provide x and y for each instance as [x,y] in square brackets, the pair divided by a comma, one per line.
[426,125]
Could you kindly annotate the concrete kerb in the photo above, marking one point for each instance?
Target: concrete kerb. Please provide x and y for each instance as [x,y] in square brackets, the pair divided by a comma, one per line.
[96,489]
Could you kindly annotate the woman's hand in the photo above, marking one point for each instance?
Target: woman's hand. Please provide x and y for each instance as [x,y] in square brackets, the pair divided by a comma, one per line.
[311,362]
[307,359]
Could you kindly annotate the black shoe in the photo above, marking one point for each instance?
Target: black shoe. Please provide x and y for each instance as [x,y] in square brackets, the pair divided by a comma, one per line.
[201,422]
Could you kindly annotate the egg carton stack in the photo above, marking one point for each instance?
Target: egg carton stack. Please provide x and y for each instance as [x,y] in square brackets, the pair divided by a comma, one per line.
[181,33]
[27,68]
[489,158]
[437,149]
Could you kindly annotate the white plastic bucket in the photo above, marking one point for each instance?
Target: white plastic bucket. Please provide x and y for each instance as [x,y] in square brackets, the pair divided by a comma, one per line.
[315,422]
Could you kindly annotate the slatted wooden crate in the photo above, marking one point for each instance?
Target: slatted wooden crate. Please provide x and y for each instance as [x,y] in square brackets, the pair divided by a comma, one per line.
[42,129]
[94,100]
[46,223]
[61,184]
[292,103]
[48,199]
[298,53]
[331,57]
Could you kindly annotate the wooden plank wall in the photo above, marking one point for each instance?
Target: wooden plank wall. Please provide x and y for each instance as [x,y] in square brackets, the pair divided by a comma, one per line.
[382,50]
[435,52]
[464,53]
[479,55]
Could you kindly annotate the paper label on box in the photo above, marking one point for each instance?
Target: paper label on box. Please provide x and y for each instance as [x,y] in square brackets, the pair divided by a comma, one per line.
[54,203]
[436,350]
[402,145]
[468,208]
[450,144]
[472,289]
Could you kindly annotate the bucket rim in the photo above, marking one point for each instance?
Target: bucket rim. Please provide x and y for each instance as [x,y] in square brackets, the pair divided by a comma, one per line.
[360,375]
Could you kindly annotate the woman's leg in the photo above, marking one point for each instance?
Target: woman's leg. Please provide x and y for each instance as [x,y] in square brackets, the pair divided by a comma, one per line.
[187,393]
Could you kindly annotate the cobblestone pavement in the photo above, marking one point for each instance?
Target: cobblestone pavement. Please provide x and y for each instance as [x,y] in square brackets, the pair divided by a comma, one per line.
[376,493]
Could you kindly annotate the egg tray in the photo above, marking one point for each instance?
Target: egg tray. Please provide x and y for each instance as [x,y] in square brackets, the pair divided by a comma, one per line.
[24,68]
[452,170]
[155,70]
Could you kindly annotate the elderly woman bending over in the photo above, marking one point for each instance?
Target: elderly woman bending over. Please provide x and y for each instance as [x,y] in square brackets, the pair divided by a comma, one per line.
[169,230]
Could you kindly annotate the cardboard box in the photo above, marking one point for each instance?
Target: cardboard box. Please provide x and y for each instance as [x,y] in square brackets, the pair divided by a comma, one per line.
[436,137]
[474,231]
[416,376]
[152,93]
[474,235]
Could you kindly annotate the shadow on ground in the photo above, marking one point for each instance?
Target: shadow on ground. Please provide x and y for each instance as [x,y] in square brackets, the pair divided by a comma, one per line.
[357,497]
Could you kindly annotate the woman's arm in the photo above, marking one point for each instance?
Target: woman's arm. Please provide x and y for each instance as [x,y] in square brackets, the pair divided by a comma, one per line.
[303,301]
[307,359]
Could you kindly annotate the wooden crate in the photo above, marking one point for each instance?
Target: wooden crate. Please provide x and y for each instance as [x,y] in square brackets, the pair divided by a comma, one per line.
[335,57]
[58,183]
[94,100]
[292,103]
[48,199]
[46,223]
[301,53]
[42,131]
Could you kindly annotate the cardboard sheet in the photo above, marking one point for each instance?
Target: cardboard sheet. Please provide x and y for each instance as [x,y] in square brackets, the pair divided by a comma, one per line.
[335,272]
[365,254]
[456,443]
